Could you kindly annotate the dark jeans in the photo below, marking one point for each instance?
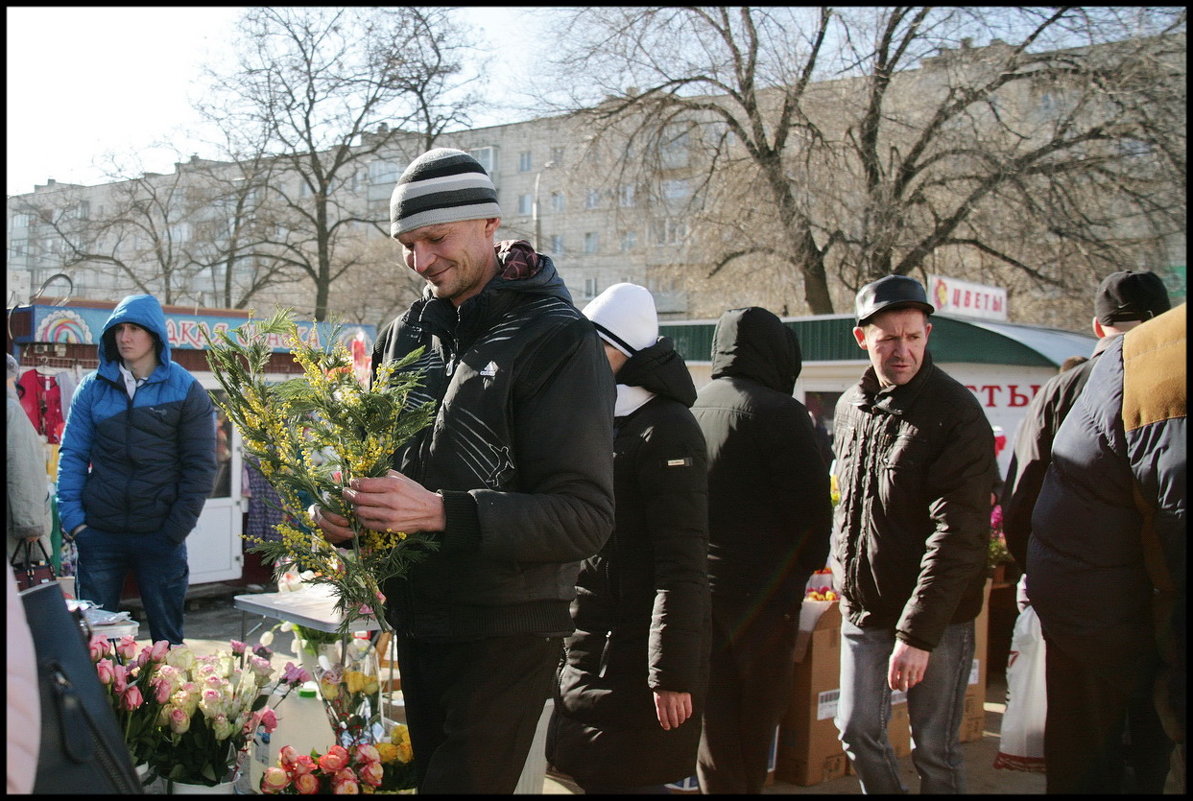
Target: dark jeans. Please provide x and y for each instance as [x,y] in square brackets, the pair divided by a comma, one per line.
[159,566]
[751,671]
[473,708]
[1102,734]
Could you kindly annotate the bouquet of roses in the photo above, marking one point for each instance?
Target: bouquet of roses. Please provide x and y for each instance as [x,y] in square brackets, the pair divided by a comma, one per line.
[134,690]
[311,436]
[385,767]
[214,705]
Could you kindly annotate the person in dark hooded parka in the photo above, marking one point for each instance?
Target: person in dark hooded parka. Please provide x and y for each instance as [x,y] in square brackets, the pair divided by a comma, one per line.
[770,516]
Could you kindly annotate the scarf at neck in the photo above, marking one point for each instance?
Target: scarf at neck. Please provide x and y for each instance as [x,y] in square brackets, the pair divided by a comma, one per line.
[630,399]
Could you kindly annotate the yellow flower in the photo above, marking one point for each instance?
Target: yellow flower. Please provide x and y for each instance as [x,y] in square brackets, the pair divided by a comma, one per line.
[389,751]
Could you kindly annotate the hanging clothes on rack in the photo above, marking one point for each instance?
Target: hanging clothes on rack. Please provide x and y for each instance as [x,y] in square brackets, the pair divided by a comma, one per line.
[66,386]
[42,400]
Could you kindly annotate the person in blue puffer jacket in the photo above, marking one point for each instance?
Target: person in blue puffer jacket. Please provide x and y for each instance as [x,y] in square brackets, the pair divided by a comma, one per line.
[145,427]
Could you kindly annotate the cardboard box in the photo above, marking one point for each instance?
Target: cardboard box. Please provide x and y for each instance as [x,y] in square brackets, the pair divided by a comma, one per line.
[974,717]
[808,749]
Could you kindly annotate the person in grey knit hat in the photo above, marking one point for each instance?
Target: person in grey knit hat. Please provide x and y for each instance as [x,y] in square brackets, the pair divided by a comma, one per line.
[514,479]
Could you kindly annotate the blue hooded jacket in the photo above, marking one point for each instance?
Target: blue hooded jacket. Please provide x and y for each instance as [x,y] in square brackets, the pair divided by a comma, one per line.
[152,456]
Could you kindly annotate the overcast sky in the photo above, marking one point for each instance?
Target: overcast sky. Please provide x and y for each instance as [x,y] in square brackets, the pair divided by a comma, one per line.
[83,82]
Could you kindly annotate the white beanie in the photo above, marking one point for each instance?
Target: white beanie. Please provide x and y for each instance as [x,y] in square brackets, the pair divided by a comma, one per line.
[625,317]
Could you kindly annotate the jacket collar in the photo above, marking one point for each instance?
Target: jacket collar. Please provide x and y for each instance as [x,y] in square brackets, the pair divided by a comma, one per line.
[893,400]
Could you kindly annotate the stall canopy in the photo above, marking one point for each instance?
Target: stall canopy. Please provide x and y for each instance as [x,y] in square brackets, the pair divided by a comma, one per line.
[829,338]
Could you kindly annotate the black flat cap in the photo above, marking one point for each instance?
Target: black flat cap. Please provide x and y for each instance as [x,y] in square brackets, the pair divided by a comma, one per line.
[1128,295]
[890,292]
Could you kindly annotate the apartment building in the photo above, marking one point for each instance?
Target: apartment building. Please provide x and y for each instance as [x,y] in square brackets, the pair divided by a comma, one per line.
[210,231]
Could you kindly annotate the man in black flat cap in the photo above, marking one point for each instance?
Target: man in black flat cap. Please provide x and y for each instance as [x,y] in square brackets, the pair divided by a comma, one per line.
[916,472]
[1124,300]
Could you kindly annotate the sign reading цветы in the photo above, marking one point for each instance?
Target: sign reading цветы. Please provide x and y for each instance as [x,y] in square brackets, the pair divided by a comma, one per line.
[964,298]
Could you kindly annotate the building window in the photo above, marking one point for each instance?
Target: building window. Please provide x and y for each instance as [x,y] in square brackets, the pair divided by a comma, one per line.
[629,241]
[675,189]
[84,212]
[673,152]
[592,242]
[20,221]
[487,156]
[590,288]
[383,172]
[181,232]
[525,203]
[669,232]
[557,201]
[625,197]
[592,200]
[556,245]
[525,162]
[557,155]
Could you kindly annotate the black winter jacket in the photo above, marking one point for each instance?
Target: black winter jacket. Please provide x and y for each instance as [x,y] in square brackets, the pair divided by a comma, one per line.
[1089,576]
[642,607]
[770,508]
[1033,450]
[915,469]
[520,448]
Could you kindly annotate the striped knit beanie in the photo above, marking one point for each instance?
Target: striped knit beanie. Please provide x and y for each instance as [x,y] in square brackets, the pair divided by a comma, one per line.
[441,186]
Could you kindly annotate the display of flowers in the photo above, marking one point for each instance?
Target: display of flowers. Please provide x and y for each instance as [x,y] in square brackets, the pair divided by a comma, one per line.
[132,682]
[996,552]
[311,435]
[387,766]
[213,706]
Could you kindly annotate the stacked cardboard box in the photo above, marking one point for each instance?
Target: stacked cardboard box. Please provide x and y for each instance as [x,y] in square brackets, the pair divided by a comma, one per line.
[809,751]
[974,717]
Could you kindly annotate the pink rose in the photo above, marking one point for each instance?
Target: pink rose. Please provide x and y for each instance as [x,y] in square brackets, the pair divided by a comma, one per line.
[371,773]
[274,780]
[121,678]
[287,755]
[345,783]
[159,651]
[106,671]
[269,720]
[99,647]
[126,649]
[132,699]
[161,689]
[306,784]
[335,760]
[179,721]
[304,765]
[368,753]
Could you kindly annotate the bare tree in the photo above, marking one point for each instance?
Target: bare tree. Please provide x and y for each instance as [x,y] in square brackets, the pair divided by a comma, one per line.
[848,144]
[322,92]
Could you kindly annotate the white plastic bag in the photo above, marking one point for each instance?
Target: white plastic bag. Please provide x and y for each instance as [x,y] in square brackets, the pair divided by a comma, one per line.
[1021,746]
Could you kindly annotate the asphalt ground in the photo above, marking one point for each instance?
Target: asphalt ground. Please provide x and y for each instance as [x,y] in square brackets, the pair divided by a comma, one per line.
[212,620]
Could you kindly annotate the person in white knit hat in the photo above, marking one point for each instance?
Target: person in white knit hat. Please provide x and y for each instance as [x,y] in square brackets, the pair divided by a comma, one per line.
[514,479]
[632,683]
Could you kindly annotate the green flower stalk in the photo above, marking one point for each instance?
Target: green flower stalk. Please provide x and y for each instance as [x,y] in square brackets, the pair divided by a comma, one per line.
[311,435]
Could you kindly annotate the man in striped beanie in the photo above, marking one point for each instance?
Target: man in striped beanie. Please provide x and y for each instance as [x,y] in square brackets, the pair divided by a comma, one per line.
[514,480]
[447,191]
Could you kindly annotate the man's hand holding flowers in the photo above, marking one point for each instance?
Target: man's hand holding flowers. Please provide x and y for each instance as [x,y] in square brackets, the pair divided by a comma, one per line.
[389,503]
